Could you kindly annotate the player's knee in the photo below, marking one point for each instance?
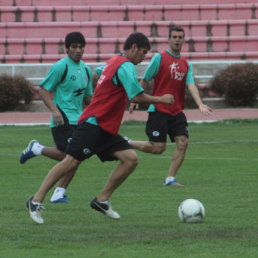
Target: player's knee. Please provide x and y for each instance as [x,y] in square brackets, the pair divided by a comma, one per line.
[132,160]
[183,144]
[158,149]
[71,162]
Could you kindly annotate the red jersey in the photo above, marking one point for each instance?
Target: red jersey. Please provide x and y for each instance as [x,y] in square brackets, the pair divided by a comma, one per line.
[171,79]
[109,100]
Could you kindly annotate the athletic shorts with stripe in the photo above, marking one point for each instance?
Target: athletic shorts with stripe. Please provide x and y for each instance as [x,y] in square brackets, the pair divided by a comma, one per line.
[159,125]
[62,135]
[90,139]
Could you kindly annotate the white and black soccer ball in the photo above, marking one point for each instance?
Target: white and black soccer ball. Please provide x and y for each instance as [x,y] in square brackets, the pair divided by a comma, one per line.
[191,211]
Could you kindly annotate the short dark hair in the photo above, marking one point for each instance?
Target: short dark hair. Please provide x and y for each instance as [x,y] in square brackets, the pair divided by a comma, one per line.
[175,28]
[74,37]
[139,39]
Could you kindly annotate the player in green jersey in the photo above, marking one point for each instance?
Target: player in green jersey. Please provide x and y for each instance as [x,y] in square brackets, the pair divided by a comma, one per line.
[70,82]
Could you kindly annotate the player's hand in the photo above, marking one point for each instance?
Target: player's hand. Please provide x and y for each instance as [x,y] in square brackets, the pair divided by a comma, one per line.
[168,99]
[206,110]
[57,118]
[132,107]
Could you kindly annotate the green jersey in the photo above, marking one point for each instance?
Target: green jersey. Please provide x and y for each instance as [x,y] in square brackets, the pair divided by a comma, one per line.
[70,83]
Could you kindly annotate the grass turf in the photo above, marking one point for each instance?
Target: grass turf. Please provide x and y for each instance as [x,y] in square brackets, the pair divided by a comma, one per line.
[220,170]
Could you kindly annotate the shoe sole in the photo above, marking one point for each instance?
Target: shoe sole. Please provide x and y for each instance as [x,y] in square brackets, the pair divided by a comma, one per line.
[60,201]
[173,185]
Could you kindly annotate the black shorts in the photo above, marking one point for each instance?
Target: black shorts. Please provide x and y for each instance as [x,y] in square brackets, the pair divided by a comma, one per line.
[160,124]
[62,135]
[90,139]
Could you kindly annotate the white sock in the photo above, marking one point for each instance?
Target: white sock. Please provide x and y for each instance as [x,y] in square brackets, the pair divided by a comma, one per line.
[60,191]
[36,203]
[169,179]
[37,148]
[105,202]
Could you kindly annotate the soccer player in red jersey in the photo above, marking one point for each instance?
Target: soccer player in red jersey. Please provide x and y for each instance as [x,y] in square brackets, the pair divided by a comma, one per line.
[171,73]
[98,126]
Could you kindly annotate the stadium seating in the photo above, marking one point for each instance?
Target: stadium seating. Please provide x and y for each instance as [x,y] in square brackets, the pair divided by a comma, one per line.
[115,29]
[128,12]
[113,2]
[34,30]
[34,46]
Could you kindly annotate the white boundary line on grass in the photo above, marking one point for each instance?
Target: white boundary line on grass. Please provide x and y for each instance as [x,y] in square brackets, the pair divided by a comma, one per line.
[200,158]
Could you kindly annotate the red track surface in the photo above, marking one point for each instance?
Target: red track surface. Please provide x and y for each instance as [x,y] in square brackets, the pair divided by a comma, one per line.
[20,118]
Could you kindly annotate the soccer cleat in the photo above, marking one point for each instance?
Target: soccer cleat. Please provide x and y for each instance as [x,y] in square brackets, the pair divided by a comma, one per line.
[104,208]
[35,211]
[63,199]
[173,182]
[28,153]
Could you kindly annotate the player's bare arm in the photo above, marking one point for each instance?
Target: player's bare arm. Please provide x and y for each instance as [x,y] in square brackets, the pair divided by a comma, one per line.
[205,109]
[148,99]
[47,98]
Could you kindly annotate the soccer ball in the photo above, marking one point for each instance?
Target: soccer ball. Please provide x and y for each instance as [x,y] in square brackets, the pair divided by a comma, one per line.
[191,211]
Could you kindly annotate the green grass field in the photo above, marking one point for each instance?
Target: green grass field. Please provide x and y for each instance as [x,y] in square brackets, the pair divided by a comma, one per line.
[220,169]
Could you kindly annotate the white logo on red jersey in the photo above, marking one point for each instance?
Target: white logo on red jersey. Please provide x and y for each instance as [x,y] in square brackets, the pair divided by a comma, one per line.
[101,79]
[175,74]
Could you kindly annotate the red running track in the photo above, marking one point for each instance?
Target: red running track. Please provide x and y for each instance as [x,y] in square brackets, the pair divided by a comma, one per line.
[193,115]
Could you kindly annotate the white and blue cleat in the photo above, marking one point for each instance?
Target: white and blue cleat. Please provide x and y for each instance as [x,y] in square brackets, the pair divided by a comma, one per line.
[63,199]
[28,153]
